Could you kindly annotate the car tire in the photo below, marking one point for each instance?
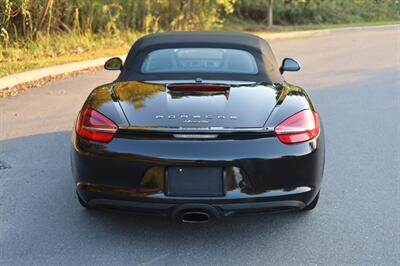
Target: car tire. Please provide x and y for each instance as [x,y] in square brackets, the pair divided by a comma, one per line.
[313,204]
[82,202]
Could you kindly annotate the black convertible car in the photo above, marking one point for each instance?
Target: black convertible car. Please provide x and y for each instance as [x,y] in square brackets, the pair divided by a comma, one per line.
[198,125]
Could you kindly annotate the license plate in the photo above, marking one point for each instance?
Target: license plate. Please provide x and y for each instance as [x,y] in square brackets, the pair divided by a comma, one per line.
[194,181]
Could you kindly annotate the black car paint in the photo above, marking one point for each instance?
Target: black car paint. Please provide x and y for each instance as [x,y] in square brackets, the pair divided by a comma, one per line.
[137,104]
[265,174]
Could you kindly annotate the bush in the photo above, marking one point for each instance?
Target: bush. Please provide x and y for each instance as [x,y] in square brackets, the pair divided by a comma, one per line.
[30,19]
[300,12]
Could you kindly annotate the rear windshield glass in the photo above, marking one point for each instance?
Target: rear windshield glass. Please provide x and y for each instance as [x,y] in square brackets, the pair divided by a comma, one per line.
[199,60]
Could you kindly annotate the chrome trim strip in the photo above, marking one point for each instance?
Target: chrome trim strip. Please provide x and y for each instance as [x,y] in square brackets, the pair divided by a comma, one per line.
[200,129]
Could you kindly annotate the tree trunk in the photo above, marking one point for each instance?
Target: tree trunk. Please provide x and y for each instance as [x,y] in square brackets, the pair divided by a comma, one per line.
[270,13]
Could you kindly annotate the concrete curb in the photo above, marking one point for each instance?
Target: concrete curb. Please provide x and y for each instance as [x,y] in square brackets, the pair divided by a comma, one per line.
[11,81]
[29,77]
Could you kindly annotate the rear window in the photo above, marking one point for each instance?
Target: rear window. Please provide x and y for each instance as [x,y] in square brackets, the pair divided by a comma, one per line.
[199,60]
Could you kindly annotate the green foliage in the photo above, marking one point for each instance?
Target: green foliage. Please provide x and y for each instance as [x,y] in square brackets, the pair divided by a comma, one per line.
[62,48]
[300,12]
[30,19]
[33,19]
[35,33]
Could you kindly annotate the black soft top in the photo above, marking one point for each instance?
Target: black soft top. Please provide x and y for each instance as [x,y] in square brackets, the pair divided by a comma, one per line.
[258,47]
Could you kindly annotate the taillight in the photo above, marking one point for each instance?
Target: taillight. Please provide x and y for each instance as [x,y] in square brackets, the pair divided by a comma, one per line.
[93,125]
[300,127]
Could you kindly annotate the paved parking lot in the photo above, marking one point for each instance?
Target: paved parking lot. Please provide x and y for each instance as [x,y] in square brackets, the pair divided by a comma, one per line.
[354,80]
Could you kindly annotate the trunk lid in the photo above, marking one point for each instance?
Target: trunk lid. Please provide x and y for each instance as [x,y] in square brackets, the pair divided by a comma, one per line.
[156,106]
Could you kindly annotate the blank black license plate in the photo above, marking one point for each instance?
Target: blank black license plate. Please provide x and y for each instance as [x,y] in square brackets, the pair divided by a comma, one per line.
[194,181]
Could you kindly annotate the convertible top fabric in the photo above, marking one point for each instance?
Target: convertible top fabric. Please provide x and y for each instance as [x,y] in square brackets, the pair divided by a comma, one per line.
[259,48]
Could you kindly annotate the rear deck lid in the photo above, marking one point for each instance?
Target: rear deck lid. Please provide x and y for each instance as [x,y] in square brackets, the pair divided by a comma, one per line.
[195,105]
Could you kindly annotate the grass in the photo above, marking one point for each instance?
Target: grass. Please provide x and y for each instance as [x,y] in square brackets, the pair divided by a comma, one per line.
[62,48]
[8,68]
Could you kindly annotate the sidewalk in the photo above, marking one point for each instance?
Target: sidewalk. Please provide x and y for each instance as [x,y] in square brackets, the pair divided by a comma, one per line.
[40,76]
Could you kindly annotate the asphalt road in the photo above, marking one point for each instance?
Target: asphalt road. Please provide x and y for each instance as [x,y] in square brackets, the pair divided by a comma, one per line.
[354,81]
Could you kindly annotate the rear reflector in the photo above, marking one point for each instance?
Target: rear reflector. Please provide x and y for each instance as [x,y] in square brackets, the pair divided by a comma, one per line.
[93,125]
[300,127]
[198,87]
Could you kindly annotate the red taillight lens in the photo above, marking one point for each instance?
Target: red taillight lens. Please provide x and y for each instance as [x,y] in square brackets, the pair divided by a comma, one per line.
[300,127]
[93,125]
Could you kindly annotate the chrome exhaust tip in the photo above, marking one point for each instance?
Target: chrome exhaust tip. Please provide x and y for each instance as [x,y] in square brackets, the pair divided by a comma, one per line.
[195,217]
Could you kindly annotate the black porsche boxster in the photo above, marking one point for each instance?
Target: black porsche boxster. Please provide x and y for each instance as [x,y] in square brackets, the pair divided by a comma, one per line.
[198,125]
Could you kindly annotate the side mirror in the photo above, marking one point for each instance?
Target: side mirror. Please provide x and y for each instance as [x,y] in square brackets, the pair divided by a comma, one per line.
[289,64]
[114,63]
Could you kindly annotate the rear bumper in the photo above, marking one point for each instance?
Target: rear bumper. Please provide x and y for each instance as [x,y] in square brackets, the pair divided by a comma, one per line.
[271,202]
[261,175]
